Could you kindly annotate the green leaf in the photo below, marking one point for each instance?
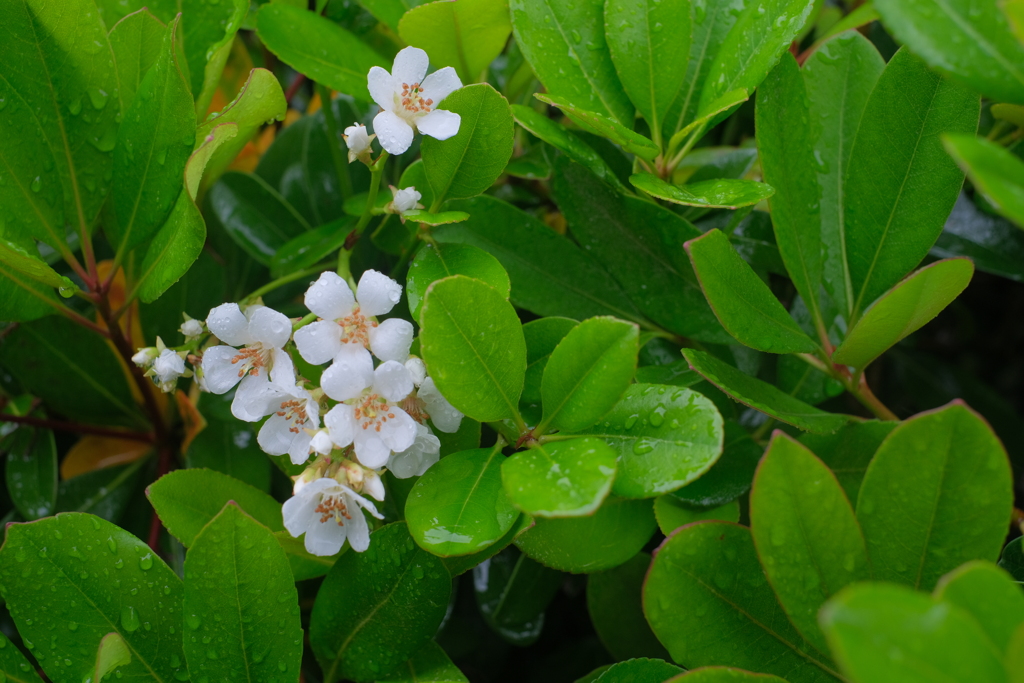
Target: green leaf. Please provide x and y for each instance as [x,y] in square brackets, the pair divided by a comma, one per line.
[375,609]
[587,373]
[436,262]
[512,592]
[559,137]
[154,141]
[888,634]
[75,373]
[639,243]
[105,492]
[459,564]
[988,594]
[459,506]
[1012,559]
[469,162]
[970,42]
[763,396]
[318,47]
[993,170]
[731,475]
[914,494]
[723,193]
[112,653]
[900,184]
[23,299]
[472,343]
[839,78]
[58,81]
[904,309]
[615,609]
[209,35]
[466,35]
[709,603]
[258,219]
[18,262]
[849,450]
[753,46]
[137,41]
[723,674]
[230,447]
[550,275]
[310,248]
[239,594]
[548,30]
[649,44]
[31,472]
[561,478]
[664,438]
[606,127]
[14,665]
[638,671]
[673,513]
[424,217]
[710,111]
[43,568]
[581,545]
[785,146]
[542,336]
[994,244]
[741,300]
[805,532]
[430,664]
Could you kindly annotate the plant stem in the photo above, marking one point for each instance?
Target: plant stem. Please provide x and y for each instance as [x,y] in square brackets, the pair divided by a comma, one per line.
[862,392]
[76,427]
[376,171]
[690,142]
[304,321]
[340,165]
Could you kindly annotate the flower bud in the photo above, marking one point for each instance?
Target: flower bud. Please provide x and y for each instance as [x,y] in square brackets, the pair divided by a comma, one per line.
[145,357]
[405,199]
[358,142]
[417,369]
[191,328]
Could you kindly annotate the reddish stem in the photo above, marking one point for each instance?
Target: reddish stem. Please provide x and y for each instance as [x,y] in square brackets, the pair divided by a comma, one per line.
[78,428]
[155,525]
[294,88]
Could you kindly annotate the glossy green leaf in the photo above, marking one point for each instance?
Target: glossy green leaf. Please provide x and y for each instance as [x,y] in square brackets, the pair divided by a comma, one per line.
[459,506]
[805,532]
[20,264]
[904,309]
[912,501]
[512,592]
[581,545]
[614,605]
[731,475]
[901,184]
[970,42]
[472,343]
[560,478]
[434,263]
[75,373]
[849,450]
[605,126]
[430,664]
[994,244]
[31,472]
[709,603]
[241,608]
[547,30]
[459,564]
[673,513]
[649,44]
[230,447]
[743,303]
[58,572]
[722,103]
[424,217]
[726,193]
[988,594]
[723,674]
[112,654]
[1012,559]
[640,244]
[104,492]
[887,634]
[137,41]
[664,438]
[763,396]
[310,248]
[209,37]
[464,35]
[587,373]
[375,609]
[318,47]
[542,336]
[14,665]
[22,297]
[638,671]
[550,275]
[785,148]
[993,170]
[469,162]
[839,78]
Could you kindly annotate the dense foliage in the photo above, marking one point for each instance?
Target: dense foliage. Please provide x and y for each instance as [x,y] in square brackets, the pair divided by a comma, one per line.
[492,340]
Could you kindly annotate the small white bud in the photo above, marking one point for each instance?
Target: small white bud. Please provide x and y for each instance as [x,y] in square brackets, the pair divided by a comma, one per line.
[191,329]
[417,369]
[358,142]
[145,357]
[321,443]
[405,199]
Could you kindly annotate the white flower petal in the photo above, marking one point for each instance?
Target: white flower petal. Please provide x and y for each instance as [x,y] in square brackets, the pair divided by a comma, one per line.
[440,84]
[326,538]
[229,324]
[392,381]
[341,425]
[298,451]
[399,432]
[298,510]
[410,67]
[321,443]
[391,340]
[371,451]
[373,486]
[417,369]
[282,370]
[255,398]
[440,124]
[218,370]
[382,87]
[393,132]
[377,293]
[443,414]
[358,532]
[330,297]
[270,328]
[351,372]
[274,437]
[318,342]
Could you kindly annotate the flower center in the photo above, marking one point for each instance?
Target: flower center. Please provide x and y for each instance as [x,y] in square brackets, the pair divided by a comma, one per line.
[333,507]
[355,328]
[372,411]
[252,358]
[293,411]
[416,408]
[413,101]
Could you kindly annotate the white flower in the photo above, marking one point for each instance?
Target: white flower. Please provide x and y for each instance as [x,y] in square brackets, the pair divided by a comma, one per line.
[346,319]
[417,458]
[321,443]
[369,416]
[417,369]
[262,366]
[328,513]
[408,100]
[144,357]
[289,430]
[406,199]
[191,328]
[358,142]
[167,368]
[442,414]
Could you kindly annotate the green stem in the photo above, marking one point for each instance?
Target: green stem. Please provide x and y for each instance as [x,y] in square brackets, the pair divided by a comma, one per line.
[291,277]
[340,165]
[690,142]
[376,171]
[304,321]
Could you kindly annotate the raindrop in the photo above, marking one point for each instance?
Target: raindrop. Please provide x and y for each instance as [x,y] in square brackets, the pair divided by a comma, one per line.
[75,106]
[98,97]
[37,184]
[119,563]
[146,562]
[129,618]
[193,621]
[112,544]
[72,626]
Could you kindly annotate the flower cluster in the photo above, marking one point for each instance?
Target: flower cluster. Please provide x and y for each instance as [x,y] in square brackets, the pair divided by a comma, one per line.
[375,408]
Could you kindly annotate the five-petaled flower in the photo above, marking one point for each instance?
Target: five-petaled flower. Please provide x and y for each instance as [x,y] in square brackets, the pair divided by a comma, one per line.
[409,100]
[358,143]
[328,512]
[291,426]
